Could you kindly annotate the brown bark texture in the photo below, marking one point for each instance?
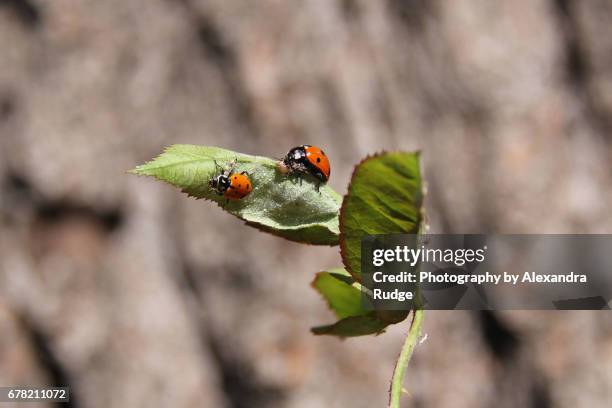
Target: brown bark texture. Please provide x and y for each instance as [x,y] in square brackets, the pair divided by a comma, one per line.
[136,296]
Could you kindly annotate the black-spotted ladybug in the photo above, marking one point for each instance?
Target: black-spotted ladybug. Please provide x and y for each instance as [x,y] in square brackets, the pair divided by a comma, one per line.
[233,186]
[306,159]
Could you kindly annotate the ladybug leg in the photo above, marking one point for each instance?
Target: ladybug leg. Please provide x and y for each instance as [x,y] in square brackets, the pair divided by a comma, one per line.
[245,172]
[318,187]
[292,177]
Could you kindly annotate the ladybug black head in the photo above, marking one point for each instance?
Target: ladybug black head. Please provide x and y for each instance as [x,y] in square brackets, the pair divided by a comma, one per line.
[295,155]
[220,183]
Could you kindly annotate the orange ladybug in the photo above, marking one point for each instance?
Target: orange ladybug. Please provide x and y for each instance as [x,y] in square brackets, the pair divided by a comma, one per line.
[307,159]
[233,186]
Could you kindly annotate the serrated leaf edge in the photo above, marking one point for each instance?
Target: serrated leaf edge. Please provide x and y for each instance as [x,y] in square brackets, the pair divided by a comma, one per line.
[344,201]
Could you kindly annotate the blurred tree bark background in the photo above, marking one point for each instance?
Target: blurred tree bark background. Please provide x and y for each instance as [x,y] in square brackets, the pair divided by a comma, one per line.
[135,296]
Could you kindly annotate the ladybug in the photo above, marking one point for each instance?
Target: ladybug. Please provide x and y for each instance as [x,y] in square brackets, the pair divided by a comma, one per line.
[233,186]
[306,159]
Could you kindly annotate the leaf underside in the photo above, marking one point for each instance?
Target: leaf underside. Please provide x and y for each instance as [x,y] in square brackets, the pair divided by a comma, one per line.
[353,326]
[345,298]
[286,206]
[337,288]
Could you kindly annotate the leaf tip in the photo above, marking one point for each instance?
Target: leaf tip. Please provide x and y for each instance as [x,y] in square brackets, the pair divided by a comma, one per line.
[135,171]
[313,284]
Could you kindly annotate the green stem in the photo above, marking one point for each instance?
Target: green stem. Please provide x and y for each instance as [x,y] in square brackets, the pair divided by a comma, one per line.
[404,358]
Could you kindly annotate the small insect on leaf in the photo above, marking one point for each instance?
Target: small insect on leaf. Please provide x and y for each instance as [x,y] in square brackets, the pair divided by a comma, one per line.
[273,201]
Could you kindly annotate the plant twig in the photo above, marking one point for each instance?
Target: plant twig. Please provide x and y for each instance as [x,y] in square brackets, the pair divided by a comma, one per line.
[404,358]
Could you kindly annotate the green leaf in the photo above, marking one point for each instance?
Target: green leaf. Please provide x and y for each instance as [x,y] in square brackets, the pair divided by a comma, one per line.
[282,205]
[385,197]
[344,297]
[353,326]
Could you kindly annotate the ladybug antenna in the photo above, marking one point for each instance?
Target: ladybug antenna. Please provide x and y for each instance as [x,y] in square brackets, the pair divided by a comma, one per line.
[232,165]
